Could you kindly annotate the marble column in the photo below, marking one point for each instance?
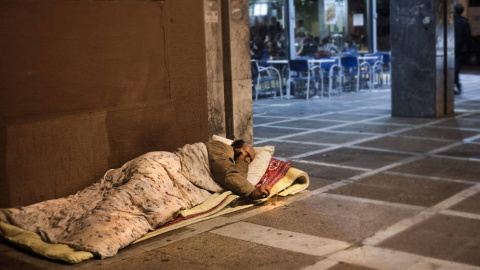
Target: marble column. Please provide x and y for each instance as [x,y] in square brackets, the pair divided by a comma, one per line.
[237,70]
[422,57]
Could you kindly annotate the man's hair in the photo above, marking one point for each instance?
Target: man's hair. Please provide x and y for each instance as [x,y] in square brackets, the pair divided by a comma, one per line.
[458,9]
[237,144]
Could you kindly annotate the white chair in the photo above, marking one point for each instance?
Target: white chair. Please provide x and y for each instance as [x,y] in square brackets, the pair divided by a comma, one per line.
[328,68]
[270,72]
[374,62]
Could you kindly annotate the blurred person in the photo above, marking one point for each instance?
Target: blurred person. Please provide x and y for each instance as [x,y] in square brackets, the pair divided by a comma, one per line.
[462,42]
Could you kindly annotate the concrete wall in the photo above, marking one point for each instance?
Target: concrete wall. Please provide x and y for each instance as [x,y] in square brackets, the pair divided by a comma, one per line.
[87,86]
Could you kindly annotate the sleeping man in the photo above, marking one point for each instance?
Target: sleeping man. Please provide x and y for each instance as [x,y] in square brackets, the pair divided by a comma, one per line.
[136,198]
[229,167]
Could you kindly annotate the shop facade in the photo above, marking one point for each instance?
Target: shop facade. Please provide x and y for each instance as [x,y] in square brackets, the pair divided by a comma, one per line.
[286,29]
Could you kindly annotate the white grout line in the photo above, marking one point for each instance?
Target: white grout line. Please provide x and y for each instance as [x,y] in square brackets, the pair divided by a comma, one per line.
[406,223]
[304,143]
[283,239]
[431,177]
[314,117]
[460,214]
[362,140]
[384,150]
[386,259]
[455,199]
[457,158]
[372,201]
[329,164]
[322,265]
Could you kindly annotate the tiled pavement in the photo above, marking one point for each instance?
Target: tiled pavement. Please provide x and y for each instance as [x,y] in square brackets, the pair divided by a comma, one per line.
[385,193]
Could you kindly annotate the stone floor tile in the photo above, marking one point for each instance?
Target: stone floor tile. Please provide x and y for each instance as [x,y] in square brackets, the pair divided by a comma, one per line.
[443,167]
[310,124]
[360,158]
[405,144]
[265,257]
[257,120]
[215,251]
[369,128]
[286,149]
[328,137]
[333,265]
[470,253]
[332,218]
[273,132]
[401,189]
[474,116]
[292,241]
[440,133]
[466,150]
[379,111]
[377,258]
[346,117]
[441,236]
[165,237]
[459,123]
[407,121]
[321,176]
[154,260]
[347,266]
[469,205]
[7,262]
[298,109]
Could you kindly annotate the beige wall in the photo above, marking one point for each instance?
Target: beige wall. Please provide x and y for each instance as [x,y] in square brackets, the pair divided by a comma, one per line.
[87,86]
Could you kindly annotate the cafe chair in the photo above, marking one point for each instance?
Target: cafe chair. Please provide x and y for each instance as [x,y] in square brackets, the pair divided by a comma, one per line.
[264,75]
[299,71]
[328,68]
[386,66]
[375,65]
[350,67]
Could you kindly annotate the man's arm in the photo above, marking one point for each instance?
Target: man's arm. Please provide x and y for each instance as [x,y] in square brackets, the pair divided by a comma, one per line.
[226,172]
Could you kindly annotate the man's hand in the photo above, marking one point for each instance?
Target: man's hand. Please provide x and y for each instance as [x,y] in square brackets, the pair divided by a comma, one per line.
[260,192]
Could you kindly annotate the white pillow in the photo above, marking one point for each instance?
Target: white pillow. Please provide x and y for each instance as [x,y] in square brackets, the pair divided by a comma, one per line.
[259,165]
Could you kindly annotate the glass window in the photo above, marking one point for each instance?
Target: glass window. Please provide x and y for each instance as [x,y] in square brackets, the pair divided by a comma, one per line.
[267,29]
[319,27]
[383,25]
[334,26]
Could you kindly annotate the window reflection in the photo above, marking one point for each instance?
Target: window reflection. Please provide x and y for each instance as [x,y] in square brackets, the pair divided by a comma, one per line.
[320,27]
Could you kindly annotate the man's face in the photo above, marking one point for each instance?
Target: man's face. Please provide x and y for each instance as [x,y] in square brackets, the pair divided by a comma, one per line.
[246,152]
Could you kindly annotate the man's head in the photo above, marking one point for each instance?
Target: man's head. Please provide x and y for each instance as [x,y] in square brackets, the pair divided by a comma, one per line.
[243,151]
[459,9]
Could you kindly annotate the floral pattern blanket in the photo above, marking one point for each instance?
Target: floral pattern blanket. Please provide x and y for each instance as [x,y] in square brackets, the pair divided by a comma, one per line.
[124,205]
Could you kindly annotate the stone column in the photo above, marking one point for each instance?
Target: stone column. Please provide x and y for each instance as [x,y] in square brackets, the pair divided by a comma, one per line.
[214,67]
[237,70]
[422,57]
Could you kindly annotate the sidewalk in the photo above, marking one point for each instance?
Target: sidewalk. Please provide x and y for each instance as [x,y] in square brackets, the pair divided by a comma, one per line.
[385,193]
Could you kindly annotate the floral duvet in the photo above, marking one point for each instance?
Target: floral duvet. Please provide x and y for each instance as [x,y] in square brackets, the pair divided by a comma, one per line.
[124,205]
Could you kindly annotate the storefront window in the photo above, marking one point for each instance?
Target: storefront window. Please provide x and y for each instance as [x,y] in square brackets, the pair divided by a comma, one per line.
[267,30]
[318,27]
[335,25]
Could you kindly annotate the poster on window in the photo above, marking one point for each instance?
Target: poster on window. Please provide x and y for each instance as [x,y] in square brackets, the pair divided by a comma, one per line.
[330,12]
[358,19]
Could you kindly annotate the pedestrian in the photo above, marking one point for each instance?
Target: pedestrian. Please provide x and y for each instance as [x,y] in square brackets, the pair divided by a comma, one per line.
[462,42]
